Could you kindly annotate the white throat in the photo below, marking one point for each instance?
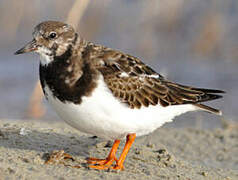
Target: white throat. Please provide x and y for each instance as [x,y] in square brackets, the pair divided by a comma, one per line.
[45,57]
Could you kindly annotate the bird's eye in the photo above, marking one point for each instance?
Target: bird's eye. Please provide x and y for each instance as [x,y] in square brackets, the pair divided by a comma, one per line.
[52,35]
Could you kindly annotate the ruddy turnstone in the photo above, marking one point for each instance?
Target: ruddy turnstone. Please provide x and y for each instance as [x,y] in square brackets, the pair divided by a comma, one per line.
[105,92]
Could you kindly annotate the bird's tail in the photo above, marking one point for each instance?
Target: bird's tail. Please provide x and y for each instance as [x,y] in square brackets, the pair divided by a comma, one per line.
[209,94]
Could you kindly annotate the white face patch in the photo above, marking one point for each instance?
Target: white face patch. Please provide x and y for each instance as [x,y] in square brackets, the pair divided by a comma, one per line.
[45,57]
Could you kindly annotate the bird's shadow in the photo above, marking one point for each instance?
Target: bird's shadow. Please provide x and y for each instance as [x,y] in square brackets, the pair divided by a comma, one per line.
[47,141]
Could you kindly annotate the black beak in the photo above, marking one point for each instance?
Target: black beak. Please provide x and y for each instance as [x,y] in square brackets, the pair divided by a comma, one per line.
[29,47]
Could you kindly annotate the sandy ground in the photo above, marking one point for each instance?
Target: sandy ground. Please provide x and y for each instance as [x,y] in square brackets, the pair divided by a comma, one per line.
[165,154]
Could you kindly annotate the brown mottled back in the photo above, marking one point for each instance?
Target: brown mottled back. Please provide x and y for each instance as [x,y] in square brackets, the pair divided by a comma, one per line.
[138,85]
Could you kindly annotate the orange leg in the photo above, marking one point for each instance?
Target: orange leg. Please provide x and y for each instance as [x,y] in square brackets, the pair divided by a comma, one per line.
[105,163]
[130,138]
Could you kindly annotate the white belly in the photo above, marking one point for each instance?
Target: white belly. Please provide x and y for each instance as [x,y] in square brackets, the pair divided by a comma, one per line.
[103,115]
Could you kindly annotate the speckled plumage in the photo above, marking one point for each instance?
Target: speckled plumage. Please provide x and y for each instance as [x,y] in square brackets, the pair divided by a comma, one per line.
[72,69]
[105,92]
[129,79]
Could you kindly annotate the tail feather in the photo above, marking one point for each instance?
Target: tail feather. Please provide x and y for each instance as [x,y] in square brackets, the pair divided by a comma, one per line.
[209,97]
[192,95]
[209,109]
[216,91]
[209,94]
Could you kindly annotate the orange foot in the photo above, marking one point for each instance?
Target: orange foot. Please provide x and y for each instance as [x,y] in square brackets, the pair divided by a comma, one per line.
[102,164]
[92,160]
[106,166]
[105,163]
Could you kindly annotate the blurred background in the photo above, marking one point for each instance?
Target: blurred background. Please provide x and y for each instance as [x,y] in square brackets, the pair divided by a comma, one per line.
[191,42]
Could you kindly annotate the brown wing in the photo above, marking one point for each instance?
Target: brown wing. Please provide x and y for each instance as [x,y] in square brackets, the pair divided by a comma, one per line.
[138,85]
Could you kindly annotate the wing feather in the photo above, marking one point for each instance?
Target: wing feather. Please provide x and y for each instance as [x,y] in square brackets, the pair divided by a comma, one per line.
[136,84]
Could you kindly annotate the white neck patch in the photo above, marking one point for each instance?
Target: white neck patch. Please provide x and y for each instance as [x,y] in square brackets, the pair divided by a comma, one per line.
[45,57]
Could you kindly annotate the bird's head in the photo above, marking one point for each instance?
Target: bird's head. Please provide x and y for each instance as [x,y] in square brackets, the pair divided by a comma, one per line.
[50,39]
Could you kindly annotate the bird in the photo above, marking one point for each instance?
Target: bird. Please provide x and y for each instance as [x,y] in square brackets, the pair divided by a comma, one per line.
[108,93]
